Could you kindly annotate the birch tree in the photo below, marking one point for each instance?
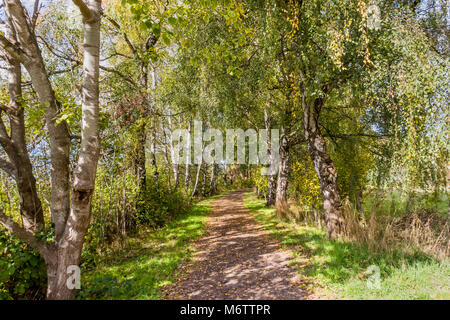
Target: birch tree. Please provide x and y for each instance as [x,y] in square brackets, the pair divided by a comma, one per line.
[70,202]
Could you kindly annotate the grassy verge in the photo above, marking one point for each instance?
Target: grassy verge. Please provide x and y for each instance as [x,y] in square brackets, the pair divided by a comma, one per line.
[149,262]
[339,269]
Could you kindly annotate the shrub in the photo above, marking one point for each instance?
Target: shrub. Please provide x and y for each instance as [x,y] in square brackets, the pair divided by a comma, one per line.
[158,205]
[22,270]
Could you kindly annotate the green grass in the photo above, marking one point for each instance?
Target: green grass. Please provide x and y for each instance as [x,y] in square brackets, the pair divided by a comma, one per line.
[337,269]
[149,262]
[394,202]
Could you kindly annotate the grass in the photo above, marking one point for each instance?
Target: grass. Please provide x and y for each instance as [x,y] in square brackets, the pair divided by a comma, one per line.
[338,269]
[394,202]
[149,262]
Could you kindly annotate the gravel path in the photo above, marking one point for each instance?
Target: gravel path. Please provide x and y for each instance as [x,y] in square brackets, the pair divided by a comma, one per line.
[236,259]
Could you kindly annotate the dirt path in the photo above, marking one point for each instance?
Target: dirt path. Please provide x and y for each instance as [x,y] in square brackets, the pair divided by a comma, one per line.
[236,259]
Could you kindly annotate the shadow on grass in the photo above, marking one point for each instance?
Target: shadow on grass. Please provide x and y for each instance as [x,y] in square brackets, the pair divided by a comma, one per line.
[336,263]
[149,262]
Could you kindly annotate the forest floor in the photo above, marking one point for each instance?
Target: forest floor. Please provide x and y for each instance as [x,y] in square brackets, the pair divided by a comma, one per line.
[237,259]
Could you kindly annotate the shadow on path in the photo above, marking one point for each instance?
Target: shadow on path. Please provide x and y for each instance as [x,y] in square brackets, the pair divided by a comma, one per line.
[237,259]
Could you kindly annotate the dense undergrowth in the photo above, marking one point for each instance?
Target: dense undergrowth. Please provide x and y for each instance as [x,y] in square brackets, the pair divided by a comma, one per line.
[148,260]
[348,269]
[114,225]
[134,227]
[22,270]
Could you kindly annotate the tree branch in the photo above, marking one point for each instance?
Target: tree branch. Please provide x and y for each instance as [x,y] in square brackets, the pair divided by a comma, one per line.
[71,68]
[348,135]
[84,9]
[4,137]
[24,235]
[119,74]
[376,136]
[9,168]
[35,14]
[14,51]
[57,54]
[124,35]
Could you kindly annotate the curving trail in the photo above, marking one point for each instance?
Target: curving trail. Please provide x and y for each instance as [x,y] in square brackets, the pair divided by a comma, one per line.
[237,259]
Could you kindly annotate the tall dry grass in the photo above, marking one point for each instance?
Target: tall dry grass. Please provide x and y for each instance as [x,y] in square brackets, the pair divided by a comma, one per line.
[422,230]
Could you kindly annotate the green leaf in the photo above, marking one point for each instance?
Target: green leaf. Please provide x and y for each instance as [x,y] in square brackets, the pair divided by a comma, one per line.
[156,29]
[166,39]
[172,21]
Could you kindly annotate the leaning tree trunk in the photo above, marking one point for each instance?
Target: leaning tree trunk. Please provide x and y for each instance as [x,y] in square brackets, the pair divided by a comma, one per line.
[281,204]
[197,176]
[324,167]
[15,146]
[29,55]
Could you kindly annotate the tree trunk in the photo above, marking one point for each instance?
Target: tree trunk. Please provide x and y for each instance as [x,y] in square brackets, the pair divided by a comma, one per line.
[271,190]
[316,214]
[176,176]
[212,187]
[67,252]
[281,203]
[187,179]
[70,225]
[199,167]
[16,148]
[272,181]
[194,190]
[153,163]
[359,200]
[175,167]
[140,158]
[58,133]
[166,157]
[123,211]
[188,162]
[324,167]
[70,247]
[205,171]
